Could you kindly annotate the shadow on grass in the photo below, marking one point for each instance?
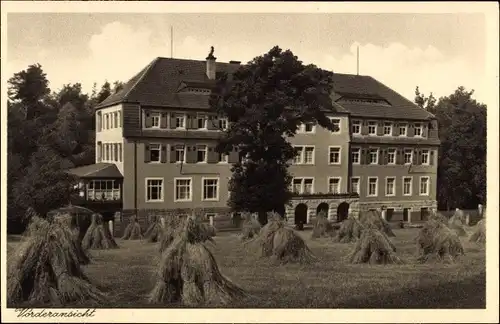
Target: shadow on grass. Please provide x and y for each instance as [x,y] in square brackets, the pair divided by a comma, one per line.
[469,293]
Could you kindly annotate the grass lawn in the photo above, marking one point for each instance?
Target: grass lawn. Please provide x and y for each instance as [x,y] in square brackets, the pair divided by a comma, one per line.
[127,275]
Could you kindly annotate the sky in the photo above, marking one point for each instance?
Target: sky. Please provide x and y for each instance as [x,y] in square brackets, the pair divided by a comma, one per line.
[437,52]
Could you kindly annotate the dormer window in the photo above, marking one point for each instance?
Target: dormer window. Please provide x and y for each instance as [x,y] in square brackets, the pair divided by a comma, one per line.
[223,124]
[201,122]
[180,121]
[418,130]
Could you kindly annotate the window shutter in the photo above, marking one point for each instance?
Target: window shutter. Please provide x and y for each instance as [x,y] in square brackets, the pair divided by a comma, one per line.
[172,153]
[380,128]
[148,121]
[191,154]
[163,120]
[381,156]
[415,157]
[411,130]
[212,156]
[424,130]
[233,156]
[399,156]
[386,157]
[212,123]
[190,121]
[172,121]
[147,155]
[431,157]
[364,128]
[363,157]
[164,153]
[419,156]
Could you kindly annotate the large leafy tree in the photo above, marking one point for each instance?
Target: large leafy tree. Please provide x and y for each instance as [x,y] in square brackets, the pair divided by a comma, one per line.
[265,102]
[462,156]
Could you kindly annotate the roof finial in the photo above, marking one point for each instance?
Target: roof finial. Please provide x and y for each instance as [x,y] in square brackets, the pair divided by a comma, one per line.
[211,54]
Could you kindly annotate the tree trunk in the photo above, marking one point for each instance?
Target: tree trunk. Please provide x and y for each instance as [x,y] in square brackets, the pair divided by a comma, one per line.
[263,218]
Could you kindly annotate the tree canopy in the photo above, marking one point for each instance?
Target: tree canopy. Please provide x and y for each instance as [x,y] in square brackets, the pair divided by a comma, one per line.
[462,156]
[48,132]
[265,102]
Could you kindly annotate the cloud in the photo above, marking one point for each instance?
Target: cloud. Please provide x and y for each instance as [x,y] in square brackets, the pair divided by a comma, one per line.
[119,51]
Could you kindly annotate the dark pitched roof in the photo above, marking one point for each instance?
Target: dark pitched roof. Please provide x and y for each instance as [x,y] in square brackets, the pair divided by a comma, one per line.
[158,84]
[98,170]
[366,87]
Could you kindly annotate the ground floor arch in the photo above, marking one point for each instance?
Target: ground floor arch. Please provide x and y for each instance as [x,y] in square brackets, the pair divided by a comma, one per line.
[342,211]
[301,214]
[322,207]
[311,205]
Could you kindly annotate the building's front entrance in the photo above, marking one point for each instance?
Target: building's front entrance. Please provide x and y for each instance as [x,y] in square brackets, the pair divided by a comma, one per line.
[342,211]
[406,213]
[301,214]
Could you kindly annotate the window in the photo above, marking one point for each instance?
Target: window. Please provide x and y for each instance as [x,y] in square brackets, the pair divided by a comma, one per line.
[120,152]
[336,124]
[180,154]
[334,185]
[298,157]
[305,155]
[407,184]
[182,189]
[210,189]
[373,156]
[155,152]
[115,116]
[418,130]
[201,153]
[115,152]
[403,129]
[223,123]
[334,155]
[155,120]
[99,121]
[356,127]
[424,186]
[297,185]
[309,128]
[408,157]
[387,129]
[223,158]
[154,190]
[390,184]
[180,121]
[107,120]
[391,156]
[303,185]
[106,152]
[355,185]
[103,190]
[119,117]
[201,122]
[372,128]
[425,157]
[372,186]
[355,155]
[111,120]
[309,155]
[99,152]
[308,186]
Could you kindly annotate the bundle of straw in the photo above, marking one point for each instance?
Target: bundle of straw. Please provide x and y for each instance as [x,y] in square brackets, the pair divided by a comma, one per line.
[98,235]
[188,272]
[133,230]
[45,270]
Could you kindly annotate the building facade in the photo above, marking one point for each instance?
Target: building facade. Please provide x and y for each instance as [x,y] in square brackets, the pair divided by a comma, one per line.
[161,135]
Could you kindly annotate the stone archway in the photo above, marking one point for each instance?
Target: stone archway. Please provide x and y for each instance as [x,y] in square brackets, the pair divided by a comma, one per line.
[323,207]
[342,211]
[301,214]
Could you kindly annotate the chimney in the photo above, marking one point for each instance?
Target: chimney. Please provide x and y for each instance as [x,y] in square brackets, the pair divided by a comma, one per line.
[211,64]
